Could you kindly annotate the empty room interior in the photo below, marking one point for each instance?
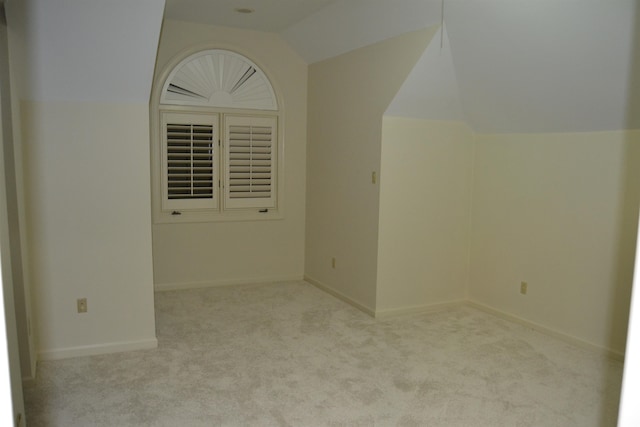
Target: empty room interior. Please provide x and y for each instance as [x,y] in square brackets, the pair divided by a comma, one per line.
[418,212]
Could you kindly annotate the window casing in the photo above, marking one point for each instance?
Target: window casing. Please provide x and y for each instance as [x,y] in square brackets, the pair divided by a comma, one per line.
[214,159]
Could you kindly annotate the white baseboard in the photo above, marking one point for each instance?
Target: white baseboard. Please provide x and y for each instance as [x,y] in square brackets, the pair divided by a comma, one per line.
[616,355]
[417,309]
[383,314]
[388,313]
[97,349]
[340,296]
[160,287]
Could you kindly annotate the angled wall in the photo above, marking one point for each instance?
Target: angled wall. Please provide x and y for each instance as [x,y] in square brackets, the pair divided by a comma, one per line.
[348,96]
[85,131]
[425,209]
[558,211]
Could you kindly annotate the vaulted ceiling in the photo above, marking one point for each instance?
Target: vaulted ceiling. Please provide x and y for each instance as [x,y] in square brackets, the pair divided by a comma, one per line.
[501,66]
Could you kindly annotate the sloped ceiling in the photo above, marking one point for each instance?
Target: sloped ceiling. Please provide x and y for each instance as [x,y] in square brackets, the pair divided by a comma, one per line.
[510,65]
[79,50]
[551,66]
[431,89]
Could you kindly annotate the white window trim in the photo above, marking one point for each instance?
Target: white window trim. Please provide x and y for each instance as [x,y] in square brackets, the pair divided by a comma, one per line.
[172,214]
[166,216]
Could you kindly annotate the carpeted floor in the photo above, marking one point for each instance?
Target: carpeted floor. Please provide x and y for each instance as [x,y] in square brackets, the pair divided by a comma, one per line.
[291,355]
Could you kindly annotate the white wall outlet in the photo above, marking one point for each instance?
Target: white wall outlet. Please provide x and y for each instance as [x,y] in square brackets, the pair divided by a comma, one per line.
[333,262]
[523,288]
[82,305]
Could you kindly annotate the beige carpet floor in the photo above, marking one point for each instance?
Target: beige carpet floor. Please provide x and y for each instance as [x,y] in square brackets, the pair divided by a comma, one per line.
[290,355]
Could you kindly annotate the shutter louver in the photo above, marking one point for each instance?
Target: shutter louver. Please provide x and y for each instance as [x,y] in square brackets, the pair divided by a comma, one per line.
[250,162]
[189,161]
[219,78]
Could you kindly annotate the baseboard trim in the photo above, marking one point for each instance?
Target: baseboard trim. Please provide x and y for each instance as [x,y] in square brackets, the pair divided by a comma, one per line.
[161,287]
[339,295]
[396,312]
[418,309]
[613,354]
[98,349]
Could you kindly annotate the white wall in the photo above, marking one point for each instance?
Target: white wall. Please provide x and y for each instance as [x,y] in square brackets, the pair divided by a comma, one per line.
[517,77]
[558,211]
[348,95]
[91,50]
[6,387]
[425,208]
[430,91]
[89,216]
[85,88]
[215,253]
[629,415]
[344,26]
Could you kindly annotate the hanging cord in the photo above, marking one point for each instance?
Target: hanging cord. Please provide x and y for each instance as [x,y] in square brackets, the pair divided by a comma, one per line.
[442,26]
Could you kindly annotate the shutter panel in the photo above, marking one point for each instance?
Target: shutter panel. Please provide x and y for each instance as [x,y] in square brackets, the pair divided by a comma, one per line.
[219,78]
[251,145]
[189,161]
[250,162]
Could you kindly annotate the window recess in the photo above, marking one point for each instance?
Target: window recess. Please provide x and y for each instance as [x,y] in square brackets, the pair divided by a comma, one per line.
[216,147]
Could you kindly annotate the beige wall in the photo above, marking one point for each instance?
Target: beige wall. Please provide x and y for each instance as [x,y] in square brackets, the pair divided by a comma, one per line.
[425,195]
[201,254]
[558,211]
[82,173]
[348,95]
[88,198]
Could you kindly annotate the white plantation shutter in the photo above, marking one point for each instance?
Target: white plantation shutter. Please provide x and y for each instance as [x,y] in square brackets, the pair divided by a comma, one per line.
[215,141]
[250,162]
[190,161]
[219,78]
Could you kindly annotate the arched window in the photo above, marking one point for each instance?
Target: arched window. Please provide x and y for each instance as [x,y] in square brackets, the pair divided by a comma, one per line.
[217,145]
[219,78]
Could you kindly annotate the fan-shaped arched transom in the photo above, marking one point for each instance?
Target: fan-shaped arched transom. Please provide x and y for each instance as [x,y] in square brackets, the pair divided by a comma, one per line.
[219,78]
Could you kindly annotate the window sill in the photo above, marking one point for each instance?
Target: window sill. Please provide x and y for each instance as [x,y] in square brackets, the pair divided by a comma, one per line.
[208,216]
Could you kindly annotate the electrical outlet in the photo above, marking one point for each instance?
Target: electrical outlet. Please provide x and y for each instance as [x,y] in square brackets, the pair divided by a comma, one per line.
[82,305]
[374,177]
[333,262]
[523,288]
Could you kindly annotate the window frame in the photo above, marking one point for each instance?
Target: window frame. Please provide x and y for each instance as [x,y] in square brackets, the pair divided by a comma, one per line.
[164,215]
[222,211]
